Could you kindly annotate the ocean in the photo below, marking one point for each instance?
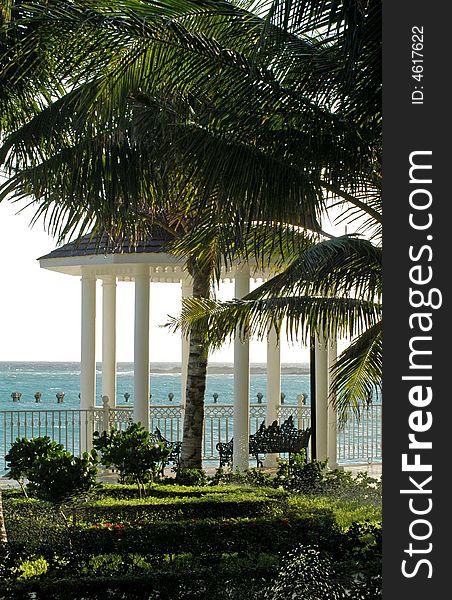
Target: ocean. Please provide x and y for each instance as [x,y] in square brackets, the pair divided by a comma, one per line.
[359,442]
[52,378]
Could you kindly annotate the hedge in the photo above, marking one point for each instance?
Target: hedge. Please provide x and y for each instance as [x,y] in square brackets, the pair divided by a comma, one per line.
[204,584]
[201,536]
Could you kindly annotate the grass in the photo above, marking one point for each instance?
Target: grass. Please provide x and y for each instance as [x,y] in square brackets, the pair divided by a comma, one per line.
[345,512]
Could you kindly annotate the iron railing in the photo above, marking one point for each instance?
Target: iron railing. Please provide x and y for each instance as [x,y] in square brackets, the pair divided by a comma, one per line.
[358,442]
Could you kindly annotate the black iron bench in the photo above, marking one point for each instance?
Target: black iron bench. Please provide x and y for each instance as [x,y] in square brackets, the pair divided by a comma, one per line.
[281,439]
[174,448]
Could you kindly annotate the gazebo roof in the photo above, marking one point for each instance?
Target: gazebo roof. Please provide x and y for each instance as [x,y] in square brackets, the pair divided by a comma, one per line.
[102,257]
[90,244]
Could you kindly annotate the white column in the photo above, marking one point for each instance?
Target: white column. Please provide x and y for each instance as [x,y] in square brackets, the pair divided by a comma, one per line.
[332,417]
[321,399]
[109,338]
[273,386]
[141,347]
[241,384]
[187,292]
[88,356]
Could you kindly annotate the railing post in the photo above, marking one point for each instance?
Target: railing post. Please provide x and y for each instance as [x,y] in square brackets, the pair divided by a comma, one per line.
[106,413]
[86,420]
[301,401]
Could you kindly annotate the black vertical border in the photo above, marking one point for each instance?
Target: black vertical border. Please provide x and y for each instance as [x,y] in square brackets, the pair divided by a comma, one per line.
[411,127]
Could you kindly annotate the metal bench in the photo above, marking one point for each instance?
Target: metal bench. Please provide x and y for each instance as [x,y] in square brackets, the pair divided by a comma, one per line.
[281,439]
[174,448]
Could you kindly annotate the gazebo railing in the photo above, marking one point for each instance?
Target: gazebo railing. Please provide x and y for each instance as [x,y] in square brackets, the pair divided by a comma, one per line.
[67,427]
[301,415]
[358,442]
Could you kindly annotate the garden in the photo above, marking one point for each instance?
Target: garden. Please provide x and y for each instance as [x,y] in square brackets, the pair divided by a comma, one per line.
[304,529]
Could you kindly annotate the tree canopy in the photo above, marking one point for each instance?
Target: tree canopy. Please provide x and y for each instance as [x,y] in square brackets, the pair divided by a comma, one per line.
[238,117]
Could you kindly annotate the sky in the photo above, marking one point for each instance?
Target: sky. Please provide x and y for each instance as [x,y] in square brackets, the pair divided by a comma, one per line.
[40,309]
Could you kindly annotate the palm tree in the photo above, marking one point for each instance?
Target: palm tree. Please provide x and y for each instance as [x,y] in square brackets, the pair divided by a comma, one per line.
[24,84]
[332,289]
[235,117]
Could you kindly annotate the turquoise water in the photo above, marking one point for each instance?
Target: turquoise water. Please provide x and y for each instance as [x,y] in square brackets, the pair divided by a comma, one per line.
[52,378]
[49,379]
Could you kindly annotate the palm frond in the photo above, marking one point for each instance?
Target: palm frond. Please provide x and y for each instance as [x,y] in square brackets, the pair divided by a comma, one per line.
[302,315]
[357,372]
[101,181]
[342,266]
[269,246]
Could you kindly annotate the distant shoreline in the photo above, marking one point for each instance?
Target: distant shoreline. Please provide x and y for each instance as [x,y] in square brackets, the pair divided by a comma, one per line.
[214,368]
[258,368]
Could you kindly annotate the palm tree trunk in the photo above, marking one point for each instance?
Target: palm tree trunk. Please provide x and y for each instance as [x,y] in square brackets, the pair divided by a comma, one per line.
[191,453]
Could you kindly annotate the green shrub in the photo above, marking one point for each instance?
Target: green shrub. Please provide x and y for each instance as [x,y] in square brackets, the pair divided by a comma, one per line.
[313,478]
[360,488]
[24,454]
[191,477]
[352,572]
[10,556]
[53,473]
[300,476]
[204,583]
[139,512]
[252,476]
[362,560]
[62,478]
[346,511]
[172,537]
[210,537]
[308,574]
[132,453]
[33,567]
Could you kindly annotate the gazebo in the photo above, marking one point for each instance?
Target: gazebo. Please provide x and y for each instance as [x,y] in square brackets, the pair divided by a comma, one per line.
[93,258]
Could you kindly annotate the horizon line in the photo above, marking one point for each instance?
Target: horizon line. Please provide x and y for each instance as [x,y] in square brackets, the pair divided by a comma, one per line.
[165,362]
